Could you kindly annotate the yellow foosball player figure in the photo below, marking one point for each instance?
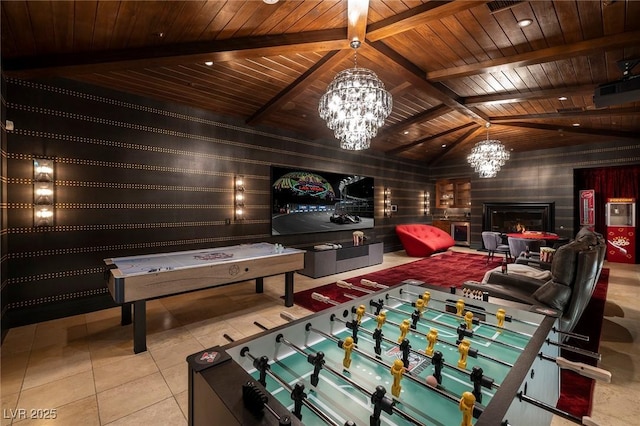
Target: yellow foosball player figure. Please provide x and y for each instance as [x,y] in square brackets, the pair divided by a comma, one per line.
[468,319]
[459,307]
[420,306]
[463,348]
[360,313]
[432,338]
[467,401]
[347,345]
[381,319]
[500,316]
[426,296]
[404,329]
[397,370]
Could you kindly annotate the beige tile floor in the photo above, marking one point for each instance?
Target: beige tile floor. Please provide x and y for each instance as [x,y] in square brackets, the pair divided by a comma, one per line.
[83,367]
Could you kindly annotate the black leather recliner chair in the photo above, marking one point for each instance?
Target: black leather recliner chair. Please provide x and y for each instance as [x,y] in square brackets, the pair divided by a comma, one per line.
[575,270]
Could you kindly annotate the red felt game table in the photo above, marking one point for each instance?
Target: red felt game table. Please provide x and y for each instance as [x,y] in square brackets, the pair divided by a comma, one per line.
[133,280]
[516,359]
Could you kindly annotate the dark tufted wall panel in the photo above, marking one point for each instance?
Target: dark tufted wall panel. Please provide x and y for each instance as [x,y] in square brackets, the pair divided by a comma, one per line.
[136,176]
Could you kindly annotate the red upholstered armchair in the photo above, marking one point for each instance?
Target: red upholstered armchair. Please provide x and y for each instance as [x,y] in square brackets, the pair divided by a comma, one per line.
[420,240]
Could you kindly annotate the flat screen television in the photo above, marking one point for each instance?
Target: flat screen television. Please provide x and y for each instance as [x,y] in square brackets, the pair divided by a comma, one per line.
[309,201]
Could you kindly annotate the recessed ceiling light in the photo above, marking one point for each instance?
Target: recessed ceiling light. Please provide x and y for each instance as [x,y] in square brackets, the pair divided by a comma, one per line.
[562,98]
[270,1]
[444,145]
[209,63]
[576,124]
[406,132]
[524,23]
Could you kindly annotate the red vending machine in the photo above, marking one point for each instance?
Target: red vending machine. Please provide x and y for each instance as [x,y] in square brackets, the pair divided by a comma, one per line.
[621,230]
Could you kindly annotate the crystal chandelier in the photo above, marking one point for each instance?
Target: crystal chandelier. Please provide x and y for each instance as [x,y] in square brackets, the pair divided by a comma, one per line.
[488,156]
[355,105]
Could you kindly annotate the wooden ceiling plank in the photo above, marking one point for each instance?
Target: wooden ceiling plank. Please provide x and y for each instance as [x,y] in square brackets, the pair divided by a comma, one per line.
[104,24]
[567,14]
[417,16]
[329,13]
[63,16]
[590,13]
[614,17]
[299,85]
[546,17]
[537,57]
[16,29]
[41,18]
[500,45]
[83,25]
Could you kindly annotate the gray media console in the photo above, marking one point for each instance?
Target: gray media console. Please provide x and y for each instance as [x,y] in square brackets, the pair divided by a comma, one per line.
[320,263]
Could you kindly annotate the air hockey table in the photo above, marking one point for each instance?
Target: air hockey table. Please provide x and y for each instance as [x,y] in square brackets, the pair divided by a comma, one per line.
[133,280]
[509,369]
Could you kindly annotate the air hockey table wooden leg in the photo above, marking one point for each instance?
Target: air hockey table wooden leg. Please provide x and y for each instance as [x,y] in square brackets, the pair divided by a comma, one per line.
[139,326]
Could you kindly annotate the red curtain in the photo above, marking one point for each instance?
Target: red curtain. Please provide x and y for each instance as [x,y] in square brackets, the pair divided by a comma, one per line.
[608,182]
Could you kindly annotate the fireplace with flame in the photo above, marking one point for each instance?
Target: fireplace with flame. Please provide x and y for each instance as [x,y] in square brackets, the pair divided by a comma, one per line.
[518,217]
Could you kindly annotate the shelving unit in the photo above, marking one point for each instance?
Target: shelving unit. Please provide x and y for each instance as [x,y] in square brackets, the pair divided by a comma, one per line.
[453,193]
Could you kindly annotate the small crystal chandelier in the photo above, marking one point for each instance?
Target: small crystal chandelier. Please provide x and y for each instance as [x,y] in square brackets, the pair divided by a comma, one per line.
[355,105]
[488,156]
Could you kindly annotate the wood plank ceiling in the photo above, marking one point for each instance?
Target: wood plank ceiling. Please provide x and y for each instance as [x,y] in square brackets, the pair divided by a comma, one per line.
[451,66]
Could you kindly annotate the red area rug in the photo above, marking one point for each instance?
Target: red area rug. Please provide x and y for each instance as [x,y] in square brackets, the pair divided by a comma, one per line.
[453,269]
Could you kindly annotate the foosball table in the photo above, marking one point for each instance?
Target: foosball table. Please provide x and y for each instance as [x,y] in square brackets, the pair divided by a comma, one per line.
[405,355]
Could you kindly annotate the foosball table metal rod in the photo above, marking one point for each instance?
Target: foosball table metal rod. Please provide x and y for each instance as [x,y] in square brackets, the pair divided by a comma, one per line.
[586,420]
[328,420]
[478,409]
[280,339]
[571,334]
[576,350]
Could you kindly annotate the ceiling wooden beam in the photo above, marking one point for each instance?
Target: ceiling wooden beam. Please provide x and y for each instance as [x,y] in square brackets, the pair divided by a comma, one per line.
[408,146]
[504,98]
[569,114]
[595,133]
[357,12]
[417,16]
[299,85]
[178,54]
[549,54]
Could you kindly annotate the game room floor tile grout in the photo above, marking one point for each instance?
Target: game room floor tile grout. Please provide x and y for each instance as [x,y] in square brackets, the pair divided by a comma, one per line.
[83,367]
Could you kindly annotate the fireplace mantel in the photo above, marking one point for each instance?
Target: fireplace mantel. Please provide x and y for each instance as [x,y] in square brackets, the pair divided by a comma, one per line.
[504,217]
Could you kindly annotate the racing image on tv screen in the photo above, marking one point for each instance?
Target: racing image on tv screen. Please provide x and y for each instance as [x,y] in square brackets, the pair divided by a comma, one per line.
[307,201]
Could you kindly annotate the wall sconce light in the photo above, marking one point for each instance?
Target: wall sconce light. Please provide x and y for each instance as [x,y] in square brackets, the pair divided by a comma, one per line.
[43,186]
[387,202]
[238,198]
[426,207]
